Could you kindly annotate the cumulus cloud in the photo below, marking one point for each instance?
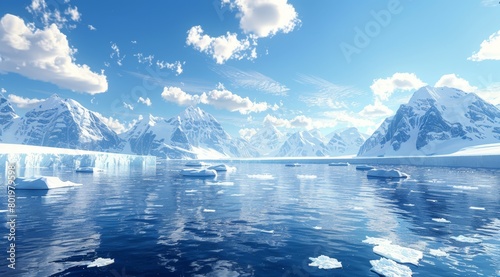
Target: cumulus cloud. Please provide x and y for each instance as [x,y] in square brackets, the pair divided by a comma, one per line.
[489,48]
[384,88]
[453,81]
[265,18]
[45,55]
[146,101]
[376,110]
[114,124]
[220,98]
[175,66]
[247,133]
[221,48]
[73,13]
[22,102]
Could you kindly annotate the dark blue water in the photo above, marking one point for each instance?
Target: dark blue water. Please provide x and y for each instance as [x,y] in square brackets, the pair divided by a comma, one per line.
[157,223]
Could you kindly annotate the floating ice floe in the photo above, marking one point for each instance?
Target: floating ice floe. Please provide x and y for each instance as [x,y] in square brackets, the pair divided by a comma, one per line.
[43,182]
[477,208]
[191,172]
[376,241]
[389,268]
[338,164]
[317,227]
[364,167]
[438,253]
[190,190]
[325,262]
[441,220]
[384,173]
[197,164]
[88,169]
[293,165]
[99,262]
[208,211]
[221,167]
[261,176]
[462,238]
[398,253]
[301,176]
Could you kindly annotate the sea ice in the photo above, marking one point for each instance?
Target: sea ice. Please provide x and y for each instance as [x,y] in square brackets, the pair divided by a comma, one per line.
[462,238]
[197,164]
[376,241]
[383,173]
[339,164]
[325,262]
[301,176]
[398,253]
[389,268]
[477,208]
[442,220]
[220,183]
[364,167]
[222,167]
[261,176]
[317,227]
[438,253]
[43,182]
[465,187]
[208,211]
[99,262]
[190,190]
[190,172]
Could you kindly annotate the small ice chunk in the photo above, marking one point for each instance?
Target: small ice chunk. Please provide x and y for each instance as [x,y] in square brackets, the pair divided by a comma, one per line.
[477,208]
[383,173]
[302,176]
[237,194]
[220,191]
[208,211]
[462,238]
[3,211]
[190,190]
[438,253]
[409,205]
[317,227]
[442,220]
[261,176]
[325,262]
[398,253]
[376,241]
[43,182]
[99,262]
[389,268]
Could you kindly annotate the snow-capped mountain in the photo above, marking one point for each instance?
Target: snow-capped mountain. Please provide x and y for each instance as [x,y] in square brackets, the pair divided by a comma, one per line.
[302,144]
[267,139]
[346,142]
[7,114]
[192,134]
[63,123]
[435,121]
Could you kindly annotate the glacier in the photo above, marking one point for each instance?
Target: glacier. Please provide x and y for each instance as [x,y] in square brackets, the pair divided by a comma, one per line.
[29,156]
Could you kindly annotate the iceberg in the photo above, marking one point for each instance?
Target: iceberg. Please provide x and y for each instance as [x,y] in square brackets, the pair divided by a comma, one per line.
[191,172]
[339,164]
[364,167]
[43,183]
[383,173]
[389,268]
[100,262]
[325,262]
[398,253]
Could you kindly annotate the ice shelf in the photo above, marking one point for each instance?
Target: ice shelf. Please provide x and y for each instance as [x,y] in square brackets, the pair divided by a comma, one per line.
[29,156]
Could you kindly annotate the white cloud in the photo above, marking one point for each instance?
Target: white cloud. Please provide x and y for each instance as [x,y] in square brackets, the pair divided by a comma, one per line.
[73,13]
[376,110]
[91,27]
[265,18]
[252,80]
[128,106]
[489,49]
[176,66]
[221,48]
[300,121]
[222,98]
[384,88]
[490,3]
[144,59]
[113,123]
[146,101]
[116,53]
[178,96]
[247,133]
[350,118]
[22,102]
[326,93]
[491,93]
[45,55]
[3,90]
[453,81]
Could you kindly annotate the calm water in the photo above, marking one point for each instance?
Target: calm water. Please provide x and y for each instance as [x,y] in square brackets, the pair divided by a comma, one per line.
[245,223]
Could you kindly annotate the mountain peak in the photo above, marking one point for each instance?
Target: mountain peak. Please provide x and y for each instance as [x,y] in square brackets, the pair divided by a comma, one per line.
[192,113]
[436,94]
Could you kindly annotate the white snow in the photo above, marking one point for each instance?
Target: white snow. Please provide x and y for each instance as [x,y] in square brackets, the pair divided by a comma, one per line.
[261,176]
[303,176]
[325,262]
[99,262]
[438,253]
[441,220]
[389,268]
[462,238]
[43,182]
[376,241]
[398,253]
[383,173]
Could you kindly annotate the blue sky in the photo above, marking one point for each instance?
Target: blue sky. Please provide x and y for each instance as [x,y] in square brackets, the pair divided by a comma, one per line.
[294,64]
